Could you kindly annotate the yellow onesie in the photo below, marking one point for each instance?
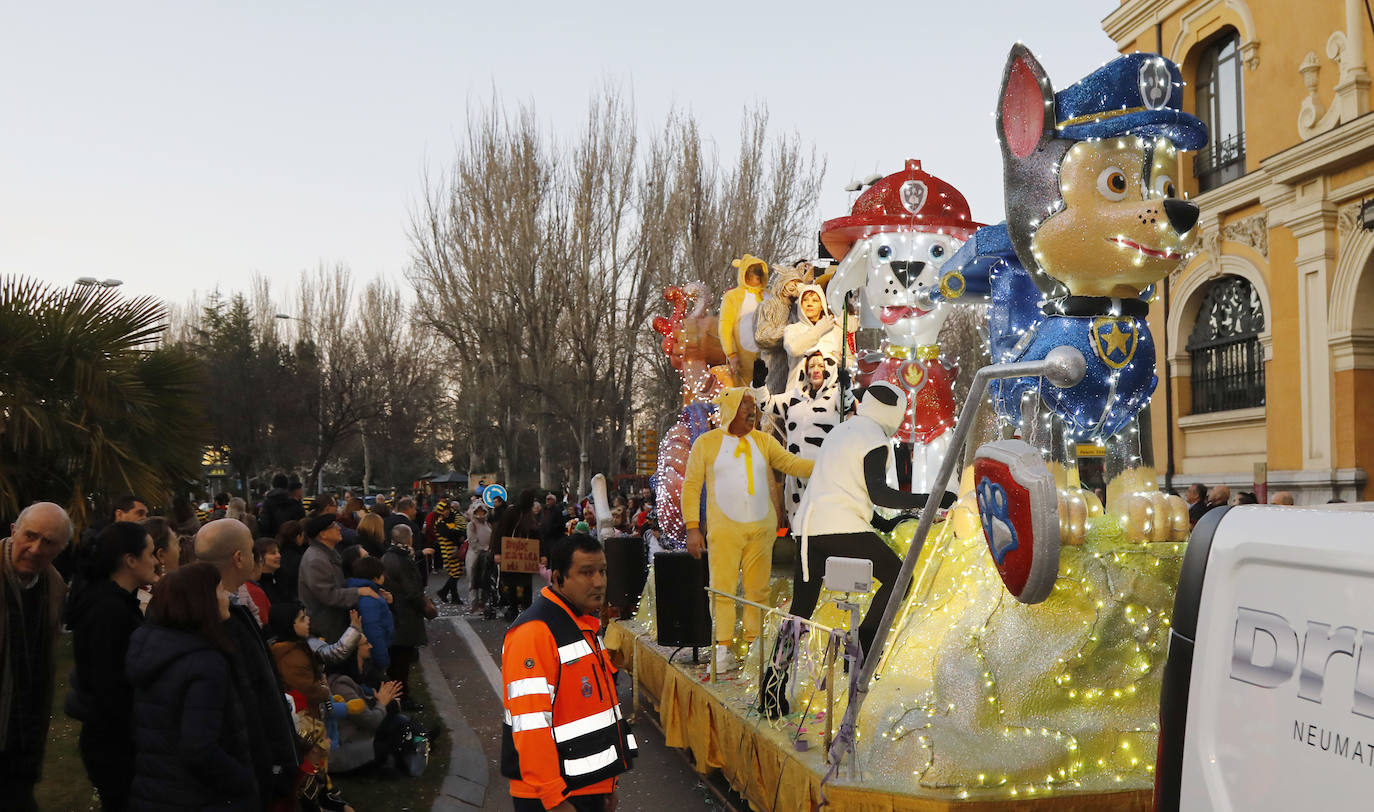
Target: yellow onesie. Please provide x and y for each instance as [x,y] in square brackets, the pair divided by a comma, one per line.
[741,522]
[738,318]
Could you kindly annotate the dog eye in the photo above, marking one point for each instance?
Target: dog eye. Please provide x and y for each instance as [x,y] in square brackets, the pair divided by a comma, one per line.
[1112,183]
[884,252]
[937,251]
[1164,187]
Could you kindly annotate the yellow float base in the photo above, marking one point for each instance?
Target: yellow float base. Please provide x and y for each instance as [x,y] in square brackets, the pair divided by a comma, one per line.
[757,757]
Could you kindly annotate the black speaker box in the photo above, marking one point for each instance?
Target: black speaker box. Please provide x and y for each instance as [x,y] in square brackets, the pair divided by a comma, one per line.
[627,568]
[683,616]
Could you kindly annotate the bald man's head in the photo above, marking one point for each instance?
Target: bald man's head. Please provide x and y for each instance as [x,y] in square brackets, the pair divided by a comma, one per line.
[227,544]
[1281,498]
[42,530]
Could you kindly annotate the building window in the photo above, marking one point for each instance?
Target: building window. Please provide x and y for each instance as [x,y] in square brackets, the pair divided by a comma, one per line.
[1227,360]
[1221,106]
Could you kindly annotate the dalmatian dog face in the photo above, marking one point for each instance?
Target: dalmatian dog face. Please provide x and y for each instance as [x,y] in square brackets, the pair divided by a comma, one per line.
[895,274]
[997,526]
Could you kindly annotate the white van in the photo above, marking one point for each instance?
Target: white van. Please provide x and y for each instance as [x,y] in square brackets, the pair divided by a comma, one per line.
[1268,697]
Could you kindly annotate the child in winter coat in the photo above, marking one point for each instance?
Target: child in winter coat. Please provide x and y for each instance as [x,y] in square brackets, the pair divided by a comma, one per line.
[301,660]
[379,627]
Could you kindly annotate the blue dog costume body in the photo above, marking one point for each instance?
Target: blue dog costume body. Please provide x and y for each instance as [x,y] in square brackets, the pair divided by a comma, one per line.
[1035,311]
[1118,349]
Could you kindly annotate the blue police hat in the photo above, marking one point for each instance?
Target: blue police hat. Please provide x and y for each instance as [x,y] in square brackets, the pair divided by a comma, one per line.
[1139,94]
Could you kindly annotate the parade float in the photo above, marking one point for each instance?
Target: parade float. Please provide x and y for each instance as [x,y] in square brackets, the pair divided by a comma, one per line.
[1022,667]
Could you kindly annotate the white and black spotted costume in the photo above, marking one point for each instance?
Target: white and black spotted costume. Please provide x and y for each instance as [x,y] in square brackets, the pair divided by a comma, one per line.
[806,418]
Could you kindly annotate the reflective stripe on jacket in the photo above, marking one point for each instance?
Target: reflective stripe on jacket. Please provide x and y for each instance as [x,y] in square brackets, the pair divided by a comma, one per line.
[563,733]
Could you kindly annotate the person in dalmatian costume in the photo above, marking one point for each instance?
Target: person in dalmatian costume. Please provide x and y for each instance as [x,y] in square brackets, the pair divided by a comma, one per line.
[901,232]
[808,411]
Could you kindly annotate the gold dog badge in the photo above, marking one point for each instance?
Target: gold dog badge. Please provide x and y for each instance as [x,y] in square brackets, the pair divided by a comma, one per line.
[1115,340]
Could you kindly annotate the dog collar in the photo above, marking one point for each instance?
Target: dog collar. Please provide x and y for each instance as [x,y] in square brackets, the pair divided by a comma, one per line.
[1097,306]
[925,352]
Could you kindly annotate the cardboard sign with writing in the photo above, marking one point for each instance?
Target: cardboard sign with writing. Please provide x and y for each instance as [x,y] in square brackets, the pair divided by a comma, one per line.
[519,555]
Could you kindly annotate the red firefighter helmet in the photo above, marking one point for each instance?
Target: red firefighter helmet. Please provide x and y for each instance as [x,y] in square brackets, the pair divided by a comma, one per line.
[910,200]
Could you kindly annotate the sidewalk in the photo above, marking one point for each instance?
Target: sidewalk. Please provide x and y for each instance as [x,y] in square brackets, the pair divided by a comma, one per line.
[465,786]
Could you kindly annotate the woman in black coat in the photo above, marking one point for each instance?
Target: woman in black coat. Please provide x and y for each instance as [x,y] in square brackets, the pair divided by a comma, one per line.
[103,613]
[188,722]
[291,542]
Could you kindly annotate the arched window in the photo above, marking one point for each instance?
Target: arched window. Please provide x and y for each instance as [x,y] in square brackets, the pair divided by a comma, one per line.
[1227,360]
[1221,106]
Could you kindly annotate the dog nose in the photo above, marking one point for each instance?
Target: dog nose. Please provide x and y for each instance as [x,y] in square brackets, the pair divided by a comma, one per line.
[907,270]
[1182,214]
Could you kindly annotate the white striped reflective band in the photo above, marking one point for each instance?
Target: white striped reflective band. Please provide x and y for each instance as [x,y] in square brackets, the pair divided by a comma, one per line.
[526,687]
[589,764]
[529,721]
[583,726]
[574,651]
[630,741]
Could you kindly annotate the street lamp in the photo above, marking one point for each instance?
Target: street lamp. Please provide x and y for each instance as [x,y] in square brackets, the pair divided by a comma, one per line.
[319,421]
[92,282]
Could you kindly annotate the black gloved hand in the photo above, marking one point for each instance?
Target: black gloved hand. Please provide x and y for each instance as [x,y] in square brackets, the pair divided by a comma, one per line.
[760,372]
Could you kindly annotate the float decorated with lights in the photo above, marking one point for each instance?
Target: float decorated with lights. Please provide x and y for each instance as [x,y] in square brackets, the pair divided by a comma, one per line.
[1025,661]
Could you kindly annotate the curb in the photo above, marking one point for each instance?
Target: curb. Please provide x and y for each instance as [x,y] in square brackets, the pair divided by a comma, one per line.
[465,786]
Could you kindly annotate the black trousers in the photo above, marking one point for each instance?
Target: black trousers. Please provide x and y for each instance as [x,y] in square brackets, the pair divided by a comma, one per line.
[111,769]
[582,803]
[402,658]
[886,566]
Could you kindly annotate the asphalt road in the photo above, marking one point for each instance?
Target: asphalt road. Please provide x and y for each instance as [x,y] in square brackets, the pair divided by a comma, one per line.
[661,778]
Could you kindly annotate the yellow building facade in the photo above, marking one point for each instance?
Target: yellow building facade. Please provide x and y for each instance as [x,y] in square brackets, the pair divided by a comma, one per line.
[1266,365]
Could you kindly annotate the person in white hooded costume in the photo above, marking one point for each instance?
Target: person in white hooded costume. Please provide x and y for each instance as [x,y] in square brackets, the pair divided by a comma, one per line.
[836,514]
[816,330]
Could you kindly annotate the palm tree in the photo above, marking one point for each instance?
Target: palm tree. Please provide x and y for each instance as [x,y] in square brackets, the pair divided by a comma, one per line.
[90,405]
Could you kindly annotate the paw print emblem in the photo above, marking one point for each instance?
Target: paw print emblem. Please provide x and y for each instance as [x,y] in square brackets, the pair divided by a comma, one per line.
[997,527]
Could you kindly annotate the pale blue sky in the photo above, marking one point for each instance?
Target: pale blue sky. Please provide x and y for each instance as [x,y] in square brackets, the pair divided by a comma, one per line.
[183,145]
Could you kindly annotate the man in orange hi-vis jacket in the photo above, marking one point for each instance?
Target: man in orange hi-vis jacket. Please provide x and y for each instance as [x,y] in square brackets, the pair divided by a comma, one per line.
[564,741]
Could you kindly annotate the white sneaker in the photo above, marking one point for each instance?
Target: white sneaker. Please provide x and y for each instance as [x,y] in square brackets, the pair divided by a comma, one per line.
[725,659]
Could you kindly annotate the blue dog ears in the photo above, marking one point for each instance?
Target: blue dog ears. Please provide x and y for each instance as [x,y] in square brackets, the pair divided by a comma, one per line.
[1136,94]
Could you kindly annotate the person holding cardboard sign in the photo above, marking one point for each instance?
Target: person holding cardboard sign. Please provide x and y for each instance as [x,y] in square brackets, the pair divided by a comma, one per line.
[520,521]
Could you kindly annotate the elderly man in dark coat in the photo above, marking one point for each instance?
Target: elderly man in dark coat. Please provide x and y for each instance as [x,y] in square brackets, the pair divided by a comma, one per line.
[31,594]
[321,585]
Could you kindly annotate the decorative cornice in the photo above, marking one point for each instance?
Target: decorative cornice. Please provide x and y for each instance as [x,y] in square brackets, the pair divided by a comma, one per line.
[1354,350]
[1239,193]
[1133,18]
[1323,154]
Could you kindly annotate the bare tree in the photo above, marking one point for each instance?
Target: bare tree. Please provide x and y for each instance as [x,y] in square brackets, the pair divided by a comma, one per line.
[541,265]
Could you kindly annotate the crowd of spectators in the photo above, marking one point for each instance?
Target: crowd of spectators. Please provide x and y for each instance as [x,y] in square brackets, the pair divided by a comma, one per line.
[191,689]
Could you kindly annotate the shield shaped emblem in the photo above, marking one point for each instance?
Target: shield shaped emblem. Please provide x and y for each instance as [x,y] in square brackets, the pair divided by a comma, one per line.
[1019,510]
[1154,83]
[1114,340]
[913,194]
[913,376]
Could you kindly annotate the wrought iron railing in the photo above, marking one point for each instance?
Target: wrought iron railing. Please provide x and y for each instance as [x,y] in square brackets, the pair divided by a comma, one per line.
[1227,374]
[1220,162]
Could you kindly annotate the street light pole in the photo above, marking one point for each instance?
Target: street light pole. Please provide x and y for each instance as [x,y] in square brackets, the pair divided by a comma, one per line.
[319,419]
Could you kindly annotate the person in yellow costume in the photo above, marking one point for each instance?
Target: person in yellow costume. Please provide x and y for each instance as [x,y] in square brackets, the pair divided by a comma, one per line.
[738,317]
[736,463]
